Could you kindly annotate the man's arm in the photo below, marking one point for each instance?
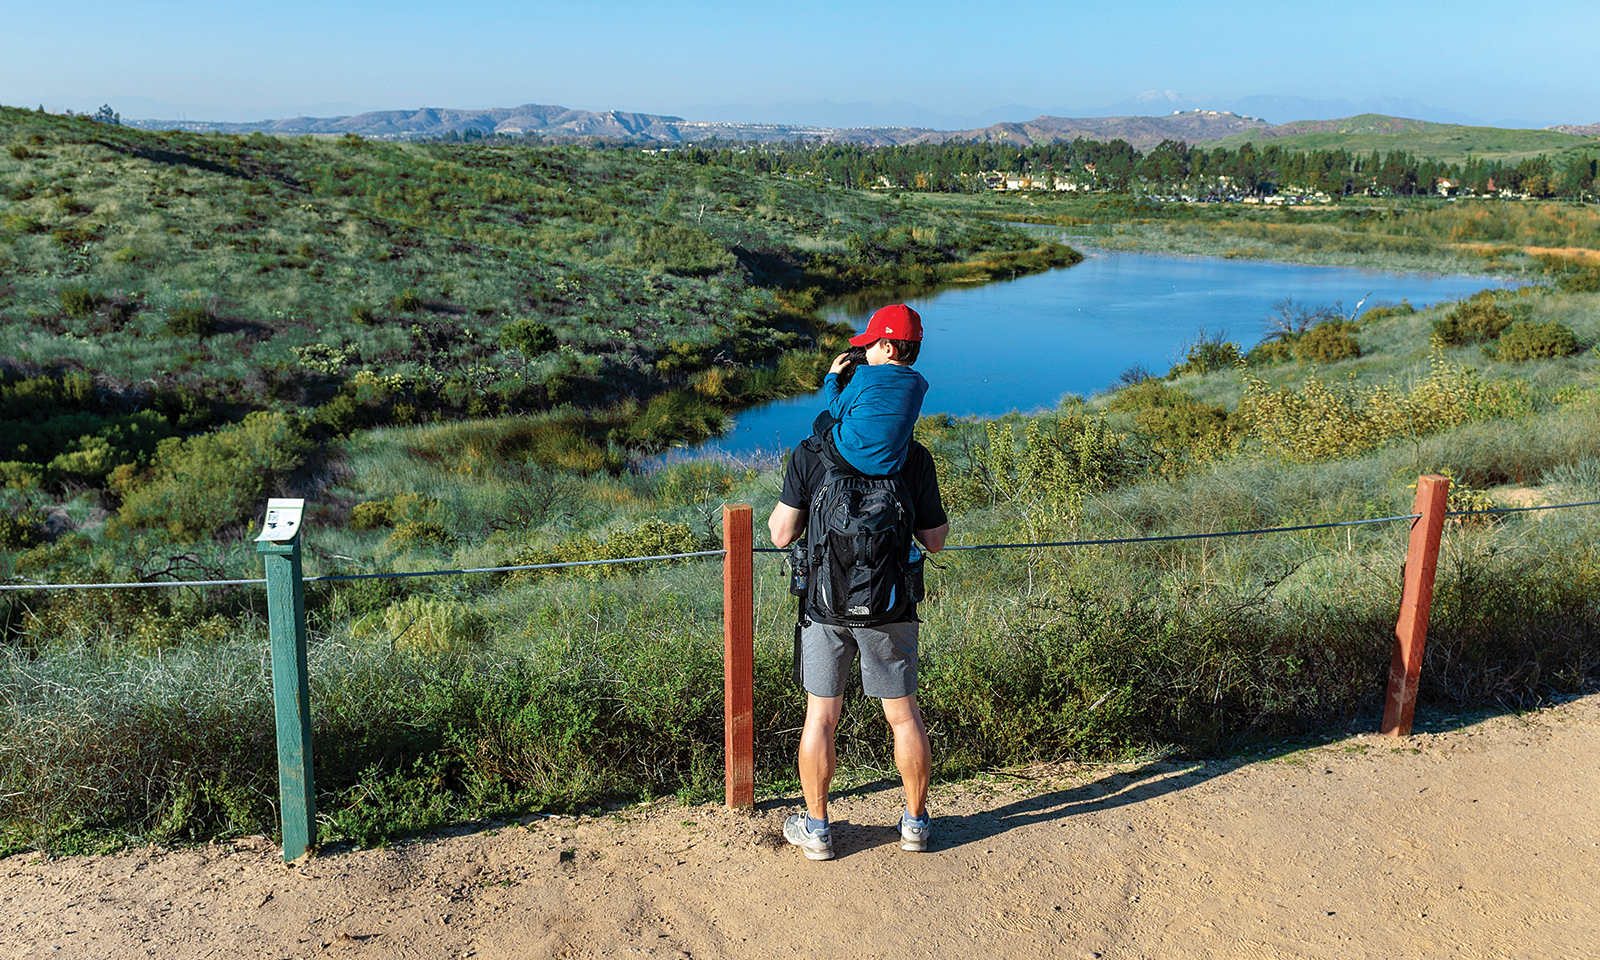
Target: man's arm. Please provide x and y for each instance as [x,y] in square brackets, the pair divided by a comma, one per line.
[931,540]
[787,524]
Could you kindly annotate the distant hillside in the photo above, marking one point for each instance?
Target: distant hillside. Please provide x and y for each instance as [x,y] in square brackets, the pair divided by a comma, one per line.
[1362,133]
[434,121]
[548,121]
[1191,126]
[1447,142]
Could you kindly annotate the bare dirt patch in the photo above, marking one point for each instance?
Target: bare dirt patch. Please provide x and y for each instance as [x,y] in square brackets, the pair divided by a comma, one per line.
[1477,841]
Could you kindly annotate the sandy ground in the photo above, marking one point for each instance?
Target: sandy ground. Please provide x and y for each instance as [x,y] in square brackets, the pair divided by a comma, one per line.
[1479,840]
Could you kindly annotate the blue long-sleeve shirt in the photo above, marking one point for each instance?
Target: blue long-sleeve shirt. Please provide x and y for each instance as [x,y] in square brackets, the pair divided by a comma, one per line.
[876,412]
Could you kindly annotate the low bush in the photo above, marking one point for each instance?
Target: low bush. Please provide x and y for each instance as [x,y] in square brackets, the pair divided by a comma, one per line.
[1581,281]
[78,302]
[424,625]
[1383,312]
[1526,340]
[649,538]
[1179,428]
[1478,319]
[198,485]
[1207,353]
[407,301]
[191,321]
[1326,343]
[21,530]
[390,511]
[1268,352]
[1322,421]
[528,337]
[683,250]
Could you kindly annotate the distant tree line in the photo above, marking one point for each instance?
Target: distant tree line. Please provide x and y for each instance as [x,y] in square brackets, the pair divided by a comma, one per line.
[1172,167]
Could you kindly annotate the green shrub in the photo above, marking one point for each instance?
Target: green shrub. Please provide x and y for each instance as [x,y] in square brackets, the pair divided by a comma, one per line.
[1326,343]
[126,255]
[1207,354]
[1477,319]
[649,538]
[1525,340]
[1401,309]
[415,533]
[1179,427]
[19,152]
[1059,460]
[1268,352]
[21,530]
[681,416]
[201,484]
[390,511]
[407,301]
[683,250]
[78,302]
[21,223]
[363,315]
[1323,421]
[1581,281]
[528,337]
[425,625]
[191,321]
[75,236]
[371,515]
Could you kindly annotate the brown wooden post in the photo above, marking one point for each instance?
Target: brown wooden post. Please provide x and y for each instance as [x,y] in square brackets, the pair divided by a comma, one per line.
[738,657]
[1416,600]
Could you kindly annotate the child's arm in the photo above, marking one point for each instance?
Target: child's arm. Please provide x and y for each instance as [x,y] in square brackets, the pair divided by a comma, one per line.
[831,391]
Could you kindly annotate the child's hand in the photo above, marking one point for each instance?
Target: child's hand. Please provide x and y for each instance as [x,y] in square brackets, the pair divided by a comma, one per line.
[840,362]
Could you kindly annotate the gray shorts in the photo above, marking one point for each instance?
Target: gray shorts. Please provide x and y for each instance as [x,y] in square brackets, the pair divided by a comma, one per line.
[888,659]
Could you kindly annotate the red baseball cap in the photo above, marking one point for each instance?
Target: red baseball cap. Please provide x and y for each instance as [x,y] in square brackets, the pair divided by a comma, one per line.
[894,322]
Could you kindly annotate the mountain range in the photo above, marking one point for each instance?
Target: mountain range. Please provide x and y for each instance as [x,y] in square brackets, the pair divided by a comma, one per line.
[1143,131]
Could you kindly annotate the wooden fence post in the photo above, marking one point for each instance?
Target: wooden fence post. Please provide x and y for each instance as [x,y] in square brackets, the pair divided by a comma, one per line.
[738,657]
[291,682]
[1416,600]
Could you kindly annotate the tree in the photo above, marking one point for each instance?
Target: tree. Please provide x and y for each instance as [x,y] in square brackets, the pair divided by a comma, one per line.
[107,115]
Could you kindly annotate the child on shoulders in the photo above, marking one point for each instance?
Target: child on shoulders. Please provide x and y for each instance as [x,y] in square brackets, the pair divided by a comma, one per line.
[874,397]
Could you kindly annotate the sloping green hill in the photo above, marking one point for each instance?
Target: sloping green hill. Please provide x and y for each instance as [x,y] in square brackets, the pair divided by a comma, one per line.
[197,278]
[1448,142]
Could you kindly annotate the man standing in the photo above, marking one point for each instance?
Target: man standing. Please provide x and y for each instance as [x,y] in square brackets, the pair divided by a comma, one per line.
[888,654]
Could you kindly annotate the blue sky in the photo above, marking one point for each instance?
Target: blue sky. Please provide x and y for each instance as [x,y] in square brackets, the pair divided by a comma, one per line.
[237,61]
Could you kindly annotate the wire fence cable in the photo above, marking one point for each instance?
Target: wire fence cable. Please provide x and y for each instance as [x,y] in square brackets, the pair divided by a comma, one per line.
[360,576]
[1111,541]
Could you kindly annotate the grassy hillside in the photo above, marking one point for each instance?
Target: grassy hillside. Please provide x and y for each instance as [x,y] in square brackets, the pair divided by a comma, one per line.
[155,286]
[1445,142]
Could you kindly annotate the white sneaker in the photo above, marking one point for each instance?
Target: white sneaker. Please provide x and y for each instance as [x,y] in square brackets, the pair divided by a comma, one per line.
[914,834]
[816,845]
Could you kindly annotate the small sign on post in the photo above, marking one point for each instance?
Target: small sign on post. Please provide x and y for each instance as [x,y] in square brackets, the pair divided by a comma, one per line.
[279,546]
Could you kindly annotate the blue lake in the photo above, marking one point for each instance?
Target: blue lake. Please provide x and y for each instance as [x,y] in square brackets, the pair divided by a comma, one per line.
[1025,343]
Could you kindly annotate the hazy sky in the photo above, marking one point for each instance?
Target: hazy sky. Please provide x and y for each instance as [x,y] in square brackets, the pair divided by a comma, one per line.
[230,60]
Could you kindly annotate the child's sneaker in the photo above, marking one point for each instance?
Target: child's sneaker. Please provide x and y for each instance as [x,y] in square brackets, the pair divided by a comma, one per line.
[914,833]
[816,845]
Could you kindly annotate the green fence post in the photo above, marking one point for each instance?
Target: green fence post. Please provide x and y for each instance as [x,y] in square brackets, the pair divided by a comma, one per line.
[279,546]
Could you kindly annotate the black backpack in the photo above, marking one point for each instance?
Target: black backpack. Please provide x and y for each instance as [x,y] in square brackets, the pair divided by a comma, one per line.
[858,535]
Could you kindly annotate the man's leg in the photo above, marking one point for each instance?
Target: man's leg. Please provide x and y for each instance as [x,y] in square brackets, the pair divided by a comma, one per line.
[912,754]
[817,757]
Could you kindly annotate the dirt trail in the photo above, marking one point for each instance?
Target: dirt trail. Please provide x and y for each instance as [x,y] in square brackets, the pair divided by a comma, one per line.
[1476,842]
